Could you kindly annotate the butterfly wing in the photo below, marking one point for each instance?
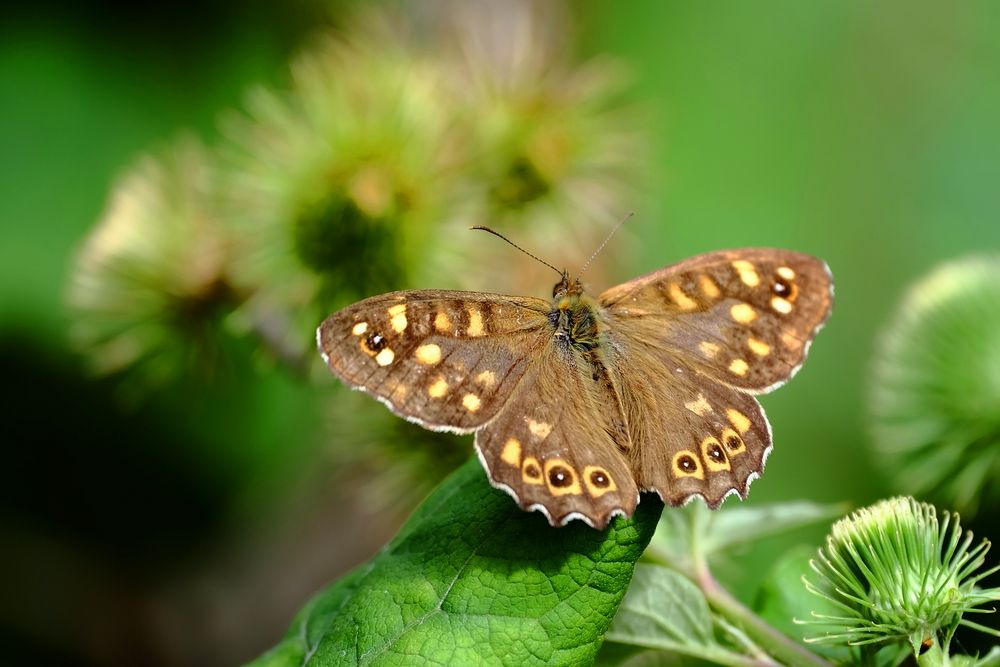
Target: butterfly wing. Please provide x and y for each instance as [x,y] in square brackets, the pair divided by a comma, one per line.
[692,342]
[445,360]
[691,436]
[743,317]
[559,444]
[663,402]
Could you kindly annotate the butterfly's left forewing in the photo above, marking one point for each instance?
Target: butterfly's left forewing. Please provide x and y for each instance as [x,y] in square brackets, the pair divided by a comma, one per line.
[446,360]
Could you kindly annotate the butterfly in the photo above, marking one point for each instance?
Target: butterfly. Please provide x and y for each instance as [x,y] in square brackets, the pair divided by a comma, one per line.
[578,404]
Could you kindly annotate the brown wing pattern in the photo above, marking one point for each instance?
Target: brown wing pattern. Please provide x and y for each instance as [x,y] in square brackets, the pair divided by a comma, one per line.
[558,444]
[693,341]
[446,360]
[742,317]
[691,436]
[575,421]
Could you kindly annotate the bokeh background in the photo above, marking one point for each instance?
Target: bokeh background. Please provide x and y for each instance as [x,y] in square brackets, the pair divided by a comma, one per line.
[180,513]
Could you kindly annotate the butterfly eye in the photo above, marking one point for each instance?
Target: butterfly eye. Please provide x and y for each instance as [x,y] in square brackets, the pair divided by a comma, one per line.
[598,481]
[714,455]
[686,465]
[783,285]
[375,342]
[561,287]
[560,476]
[734,443]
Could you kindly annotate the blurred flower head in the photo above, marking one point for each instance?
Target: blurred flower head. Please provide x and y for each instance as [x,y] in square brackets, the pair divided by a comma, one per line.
[899,575]
[554,156]
[332,184]
[364,176]
[935,399]
[151,283]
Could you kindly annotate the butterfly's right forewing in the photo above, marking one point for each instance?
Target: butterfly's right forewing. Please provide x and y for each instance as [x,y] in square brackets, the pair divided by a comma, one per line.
[447,360]
[742,317]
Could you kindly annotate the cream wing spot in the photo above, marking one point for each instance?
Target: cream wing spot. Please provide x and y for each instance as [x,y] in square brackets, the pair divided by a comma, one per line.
[708,287]
[385,357]
[758,347]
[359,328]
[699,406]
[791,340]
[475,323]
[539,429]
[786,273]
[486,379]
[683,301]
[428,354]
[397,317]
[438,389]
[739,420]
[708,349]
[471,402]
[743,313]
[748,274]
[442,322]
[783,306]
[738,367]
[511,454]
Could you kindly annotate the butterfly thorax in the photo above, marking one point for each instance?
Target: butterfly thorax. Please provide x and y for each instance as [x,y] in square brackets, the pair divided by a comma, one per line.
[574,316]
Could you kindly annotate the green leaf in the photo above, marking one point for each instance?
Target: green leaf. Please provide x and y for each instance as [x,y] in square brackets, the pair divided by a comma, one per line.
[664,610]
[991,659]
[748,523]
[719,532]
[784,599]
[472,579]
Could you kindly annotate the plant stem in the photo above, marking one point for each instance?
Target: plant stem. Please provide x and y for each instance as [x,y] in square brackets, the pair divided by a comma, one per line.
[785,650]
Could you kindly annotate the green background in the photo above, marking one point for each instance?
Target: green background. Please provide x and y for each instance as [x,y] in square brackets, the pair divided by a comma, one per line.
[864,133]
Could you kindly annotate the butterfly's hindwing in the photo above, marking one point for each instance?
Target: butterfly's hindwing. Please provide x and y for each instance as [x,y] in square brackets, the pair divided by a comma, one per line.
[447,360]
[560,443]
[742,317]
[691,436]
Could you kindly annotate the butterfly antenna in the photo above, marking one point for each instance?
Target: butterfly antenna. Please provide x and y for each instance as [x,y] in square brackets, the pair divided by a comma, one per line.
[487,229]
[605,242]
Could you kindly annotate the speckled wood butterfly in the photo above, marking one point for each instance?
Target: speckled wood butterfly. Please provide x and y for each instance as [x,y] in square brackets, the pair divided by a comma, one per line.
[578,404]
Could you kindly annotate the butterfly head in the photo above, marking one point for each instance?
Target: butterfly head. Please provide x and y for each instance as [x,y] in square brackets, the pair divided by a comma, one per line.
[566,289]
